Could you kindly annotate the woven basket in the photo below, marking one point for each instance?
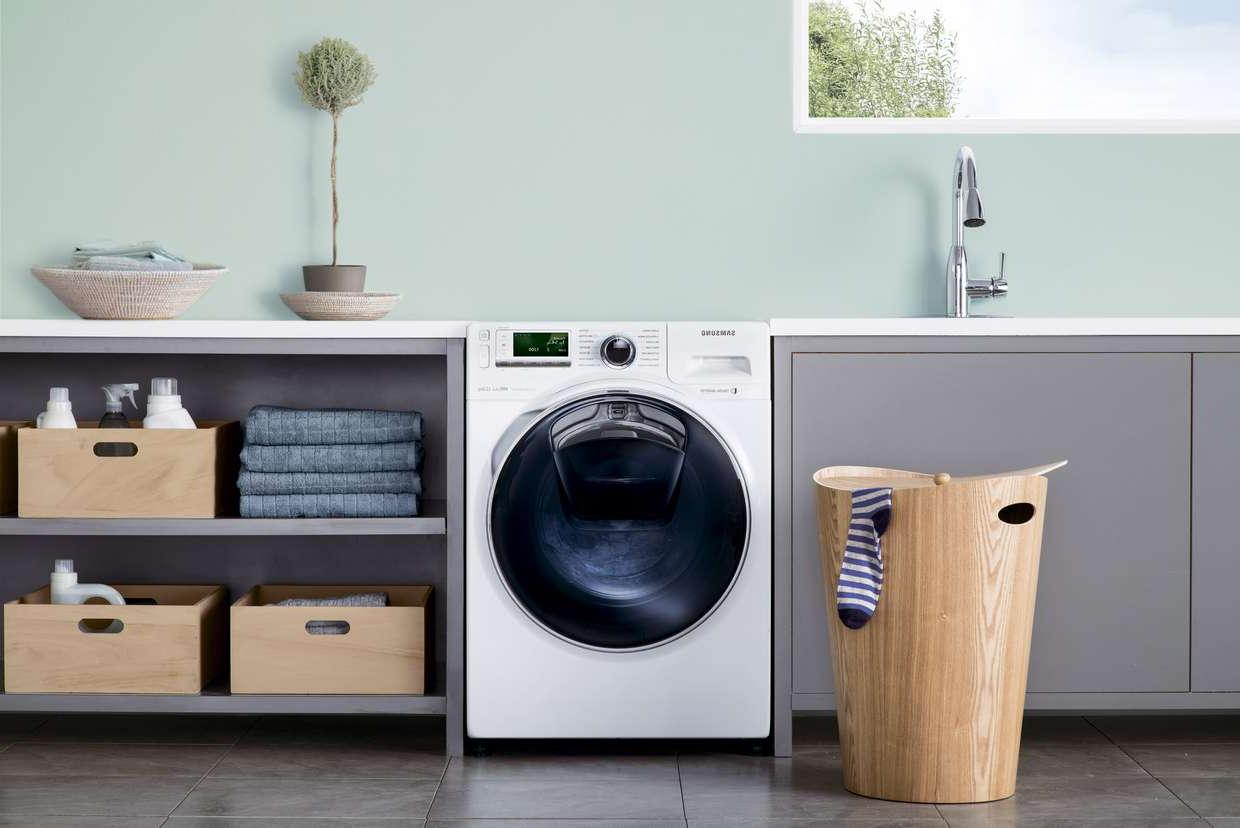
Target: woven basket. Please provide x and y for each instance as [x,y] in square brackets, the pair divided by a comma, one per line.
[128,294]
[340,306]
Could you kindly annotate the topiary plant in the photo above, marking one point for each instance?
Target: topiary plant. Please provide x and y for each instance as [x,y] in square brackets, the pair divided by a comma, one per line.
[332,77]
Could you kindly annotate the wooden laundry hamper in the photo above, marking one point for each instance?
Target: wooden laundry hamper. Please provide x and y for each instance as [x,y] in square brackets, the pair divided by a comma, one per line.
[931,691]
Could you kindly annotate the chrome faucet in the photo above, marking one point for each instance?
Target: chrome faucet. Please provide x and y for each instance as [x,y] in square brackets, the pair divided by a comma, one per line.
[967,212]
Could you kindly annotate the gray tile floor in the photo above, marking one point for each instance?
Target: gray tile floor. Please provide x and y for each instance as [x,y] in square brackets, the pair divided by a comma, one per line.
[197,772]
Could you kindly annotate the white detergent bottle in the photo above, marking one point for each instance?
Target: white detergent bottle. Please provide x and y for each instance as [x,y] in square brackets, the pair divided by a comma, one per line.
[59,411]
[67,590]
[163,406]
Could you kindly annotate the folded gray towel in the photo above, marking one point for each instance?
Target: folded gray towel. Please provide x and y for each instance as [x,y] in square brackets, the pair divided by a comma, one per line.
[269,425]
[144,250]
[365,457]
[359,599]
[327,626]
[127,263]
[329,505]
[275,483]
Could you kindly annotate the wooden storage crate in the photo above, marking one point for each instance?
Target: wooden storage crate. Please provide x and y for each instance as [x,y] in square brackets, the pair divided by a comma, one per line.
[172,473]
[8,464]
[175,646]
[384,650]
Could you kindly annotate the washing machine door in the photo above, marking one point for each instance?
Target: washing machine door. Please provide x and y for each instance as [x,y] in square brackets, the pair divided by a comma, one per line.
[618,521]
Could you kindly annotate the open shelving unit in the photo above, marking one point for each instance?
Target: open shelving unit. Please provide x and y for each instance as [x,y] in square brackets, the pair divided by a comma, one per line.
[224,369]
[217,699]
[432,521]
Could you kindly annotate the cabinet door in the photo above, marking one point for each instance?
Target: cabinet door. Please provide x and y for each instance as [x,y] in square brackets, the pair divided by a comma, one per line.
[1113,594]
[1216,534]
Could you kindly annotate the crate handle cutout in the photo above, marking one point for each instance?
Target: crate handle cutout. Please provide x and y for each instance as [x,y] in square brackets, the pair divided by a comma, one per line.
[115,449]
[327,627]
[1017,513]
[94,626]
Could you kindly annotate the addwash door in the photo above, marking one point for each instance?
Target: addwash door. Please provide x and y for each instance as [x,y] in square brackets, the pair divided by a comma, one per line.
[618,521]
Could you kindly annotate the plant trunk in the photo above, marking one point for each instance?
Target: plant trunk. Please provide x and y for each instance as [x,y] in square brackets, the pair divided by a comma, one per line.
[335,201]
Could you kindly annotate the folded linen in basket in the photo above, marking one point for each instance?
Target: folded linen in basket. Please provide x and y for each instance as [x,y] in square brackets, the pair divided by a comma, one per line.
[359,599]
[149,250]
[356,457]
[327,627]
[126,263]
[269,425]
[329,505]
[276,483]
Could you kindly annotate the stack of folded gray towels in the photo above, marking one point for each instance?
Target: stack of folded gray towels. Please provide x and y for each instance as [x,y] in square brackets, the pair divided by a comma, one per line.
[330,463]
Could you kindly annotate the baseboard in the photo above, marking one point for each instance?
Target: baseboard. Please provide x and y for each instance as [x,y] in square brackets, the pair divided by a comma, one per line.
[1077,702]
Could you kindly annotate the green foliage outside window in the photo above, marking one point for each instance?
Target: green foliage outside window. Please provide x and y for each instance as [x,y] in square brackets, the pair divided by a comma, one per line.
[867,63]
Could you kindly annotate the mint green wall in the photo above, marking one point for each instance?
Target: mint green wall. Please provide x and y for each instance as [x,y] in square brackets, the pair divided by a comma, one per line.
[560,158]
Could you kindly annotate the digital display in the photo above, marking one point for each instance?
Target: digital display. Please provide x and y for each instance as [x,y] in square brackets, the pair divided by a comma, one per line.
[539,344]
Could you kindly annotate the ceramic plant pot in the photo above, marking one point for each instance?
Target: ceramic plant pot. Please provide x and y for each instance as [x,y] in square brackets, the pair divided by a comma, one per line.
[335,278]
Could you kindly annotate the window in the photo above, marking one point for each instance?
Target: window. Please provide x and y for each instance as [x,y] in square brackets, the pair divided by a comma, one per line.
[1017,65]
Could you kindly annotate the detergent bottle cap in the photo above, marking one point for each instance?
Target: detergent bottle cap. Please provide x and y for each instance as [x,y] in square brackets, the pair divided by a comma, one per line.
[116,393]
[164,386]
[63,565]
[58,395]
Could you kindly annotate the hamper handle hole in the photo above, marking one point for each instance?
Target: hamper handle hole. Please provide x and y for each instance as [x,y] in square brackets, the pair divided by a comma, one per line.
[115,449]
[328,627]
[1017,513]
[93,626]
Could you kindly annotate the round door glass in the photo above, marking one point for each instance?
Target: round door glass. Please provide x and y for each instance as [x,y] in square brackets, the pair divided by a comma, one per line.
[618,521]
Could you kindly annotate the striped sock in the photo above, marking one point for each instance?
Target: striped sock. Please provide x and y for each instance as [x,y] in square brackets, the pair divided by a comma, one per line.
[861,573]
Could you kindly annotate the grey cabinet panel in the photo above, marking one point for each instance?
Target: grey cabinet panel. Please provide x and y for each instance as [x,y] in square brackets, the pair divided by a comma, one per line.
[1216,542]
[1113,596]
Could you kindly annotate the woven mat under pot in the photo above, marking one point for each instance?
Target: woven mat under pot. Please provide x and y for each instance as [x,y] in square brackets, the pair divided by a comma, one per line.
[340,306]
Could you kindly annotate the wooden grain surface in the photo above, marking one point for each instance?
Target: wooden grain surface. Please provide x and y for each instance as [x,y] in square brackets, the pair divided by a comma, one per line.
[175,472]
[8,464]
[176,646]
[384,650]
[931,690]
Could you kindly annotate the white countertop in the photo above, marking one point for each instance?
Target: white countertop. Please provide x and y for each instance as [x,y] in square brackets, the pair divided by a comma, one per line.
[979,326]
[235,329]
[449,329]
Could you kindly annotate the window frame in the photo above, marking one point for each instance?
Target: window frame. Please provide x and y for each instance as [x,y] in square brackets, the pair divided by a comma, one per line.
[804,124]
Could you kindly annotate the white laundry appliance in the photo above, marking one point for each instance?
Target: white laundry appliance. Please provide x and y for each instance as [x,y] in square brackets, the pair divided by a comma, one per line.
[618,552]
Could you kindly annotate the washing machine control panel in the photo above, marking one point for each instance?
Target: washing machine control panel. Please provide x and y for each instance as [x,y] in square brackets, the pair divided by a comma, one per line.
[546,346]
[527,360]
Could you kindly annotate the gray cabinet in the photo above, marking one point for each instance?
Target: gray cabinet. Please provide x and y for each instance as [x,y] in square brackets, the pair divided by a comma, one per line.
[1216,538]
[1113,597]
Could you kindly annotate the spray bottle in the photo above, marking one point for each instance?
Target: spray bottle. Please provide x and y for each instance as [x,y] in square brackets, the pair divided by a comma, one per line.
[114,409]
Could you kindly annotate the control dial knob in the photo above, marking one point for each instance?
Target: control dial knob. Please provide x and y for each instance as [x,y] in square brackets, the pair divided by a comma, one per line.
[618,351]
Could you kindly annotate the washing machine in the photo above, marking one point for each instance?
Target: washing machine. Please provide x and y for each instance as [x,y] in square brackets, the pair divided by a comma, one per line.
[618,535]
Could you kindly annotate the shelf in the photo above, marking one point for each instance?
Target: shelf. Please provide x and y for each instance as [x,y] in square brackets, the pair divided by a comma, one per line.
[431,522]
[219,700]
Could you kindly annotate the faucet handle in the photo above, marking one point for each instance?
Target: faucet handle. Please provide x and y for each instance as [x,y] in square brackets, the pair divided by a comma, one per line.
[991,288]
[999,285]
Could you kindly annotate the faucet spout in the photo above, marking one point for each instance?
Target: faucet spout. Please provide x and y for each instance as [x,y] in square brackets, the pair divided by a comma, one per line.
[966,212]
